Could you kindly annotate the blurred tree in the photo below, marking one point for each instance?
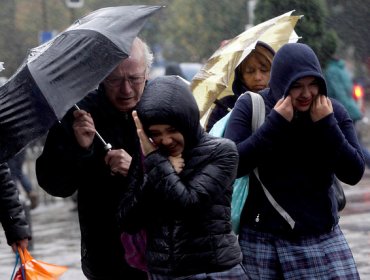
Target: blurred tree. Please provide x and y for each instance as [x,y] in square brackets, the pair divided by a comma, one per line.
[186,30]
[9,46]
[311,27]
[193,30]
[351,21]
[345,21]
[21,23]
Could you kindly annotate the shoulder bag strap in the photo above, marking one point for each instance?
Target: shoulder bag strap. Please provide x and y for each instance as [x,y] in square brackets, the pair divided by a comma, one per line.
[258,117]
[258,110]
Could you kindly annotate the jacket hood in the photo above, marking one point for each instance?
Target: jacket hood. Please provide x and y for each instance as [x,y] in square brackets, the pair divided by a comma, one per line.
[292,62]
[263,49]
[168,100]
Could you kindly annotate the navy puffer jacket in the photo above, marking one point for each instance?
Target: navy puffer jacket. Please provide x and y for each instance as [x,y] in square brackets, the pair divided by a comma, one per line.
[186,215]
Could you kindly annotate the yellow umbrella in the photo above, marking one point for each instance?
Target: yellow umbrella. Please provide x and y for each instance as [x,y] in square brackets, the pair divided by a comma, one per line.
[215,77]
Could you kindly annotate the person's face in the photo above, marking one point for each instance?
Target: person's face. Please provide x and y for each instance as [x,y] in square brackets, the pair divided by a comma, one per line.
[125,85]
[303,92]
[167,138]
[255,73]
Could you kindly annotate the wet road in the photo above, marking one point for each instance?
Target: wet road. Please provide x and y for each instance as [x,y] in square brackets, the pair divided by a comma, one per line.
[355,223]
[57,237]
[56,240]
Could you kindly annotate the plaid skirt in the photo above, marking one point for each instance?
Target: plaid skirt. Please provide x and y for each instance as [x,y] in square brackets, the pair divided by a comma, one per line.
[325,256]
[236,273]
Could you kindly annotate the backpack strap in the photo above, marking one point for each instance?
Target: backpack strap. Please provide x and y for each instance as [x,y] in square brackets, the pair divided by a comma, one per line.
[258,110]
[258,117]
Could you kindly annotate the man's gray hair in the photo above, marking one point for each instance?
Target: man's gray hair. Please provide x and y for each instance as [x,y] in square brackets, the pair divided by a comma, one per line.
[148,54]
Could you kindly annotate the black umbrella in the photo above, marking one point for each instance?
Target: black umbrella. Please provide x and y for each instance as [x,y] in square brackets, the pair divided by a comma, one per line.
[62,71]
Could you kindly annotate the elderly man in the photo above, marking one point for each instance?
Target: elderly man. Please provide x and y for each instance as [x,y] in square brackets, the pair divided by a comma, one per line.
[74,159]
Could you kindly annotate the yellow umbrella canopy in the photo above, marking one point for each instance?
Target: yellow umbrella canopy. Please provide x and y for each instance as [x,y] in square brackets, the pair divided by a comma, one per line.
[217,74]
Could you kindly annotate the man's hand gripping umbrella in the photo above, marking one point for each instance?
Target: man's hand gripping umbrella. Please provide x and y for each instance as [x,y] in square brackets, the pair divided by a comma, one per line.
[84,129]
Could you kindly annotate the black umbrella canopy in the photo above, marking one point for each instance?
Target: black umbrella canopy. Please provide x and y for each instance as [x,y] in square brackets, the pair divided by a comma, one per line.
[62,71]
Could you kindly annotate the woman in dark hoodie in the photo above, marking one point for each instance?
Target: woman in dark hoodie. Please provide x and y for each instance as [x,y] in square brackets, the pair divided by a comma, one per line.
[184,202]
[252,74]
[305,140]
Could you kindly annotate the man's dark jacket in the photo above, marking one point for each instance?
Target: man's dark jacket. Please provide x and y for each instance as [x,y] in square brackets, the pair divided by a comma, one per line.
[64,167]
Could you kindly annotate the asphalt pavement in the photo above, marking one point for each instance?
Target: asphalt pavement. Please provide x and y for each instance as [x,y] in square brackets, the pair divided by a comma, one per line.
[355,223]
[57,236]
[56,240]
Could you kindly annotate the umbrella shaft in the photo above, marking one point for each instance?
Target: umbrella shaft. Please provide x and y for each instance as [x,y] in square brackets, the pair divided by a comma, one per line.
[107,146]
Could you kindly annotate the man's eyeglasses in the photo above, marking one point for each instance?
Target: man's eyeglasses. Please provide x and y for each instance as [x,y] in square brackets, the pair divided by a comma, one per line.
[133,81]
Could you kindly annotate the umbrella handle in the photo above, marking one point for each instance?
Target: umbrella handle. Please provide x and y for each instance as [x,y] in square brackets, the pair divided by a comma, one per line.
[107,146]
